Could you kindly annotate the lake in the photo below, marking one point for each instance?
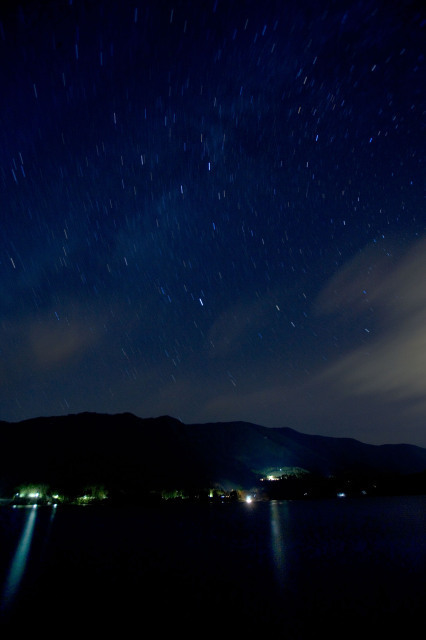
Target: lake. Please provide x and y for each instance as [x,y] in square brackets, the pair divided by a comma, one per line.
[343,567]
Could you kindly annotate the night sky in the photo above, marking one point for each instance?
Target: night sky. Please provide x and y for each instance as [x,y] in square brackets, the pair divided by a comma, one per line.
[215,210]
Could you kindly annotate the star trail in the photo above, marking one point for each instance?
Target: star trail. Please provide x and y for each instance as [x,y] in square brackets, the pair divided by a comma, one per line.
[215,210]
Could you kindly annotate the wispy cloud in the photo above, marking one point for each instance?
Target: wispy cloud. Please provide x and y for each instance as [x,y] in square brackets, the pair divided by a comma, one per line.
[232,326]
[394,360]
[54,344]
[49,340]
[372,392]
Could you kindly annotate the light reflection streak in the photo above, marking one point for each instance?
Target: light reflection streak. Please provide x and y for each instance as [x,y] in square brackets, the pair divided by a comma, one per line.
[19,561]
[277,511]
[49,530]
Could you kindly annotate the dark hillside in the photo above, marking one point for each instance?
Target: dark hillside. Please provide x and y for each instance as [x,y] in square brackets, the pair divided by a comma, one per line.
[124,452]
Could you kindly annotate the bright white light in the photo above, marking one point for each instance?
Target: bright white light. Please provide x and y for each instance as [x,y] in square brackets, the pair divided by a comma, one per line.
[249,499]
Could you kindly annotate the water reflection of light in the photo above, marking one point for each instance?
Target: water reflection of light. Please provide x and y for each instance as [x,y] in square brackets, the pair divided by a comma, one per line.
[277,511]
[48,531]
[19,560]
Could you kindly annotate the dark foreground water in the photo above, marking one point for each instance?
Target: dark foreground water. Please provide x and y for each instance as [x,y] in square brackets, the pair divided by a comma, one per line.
[347,568]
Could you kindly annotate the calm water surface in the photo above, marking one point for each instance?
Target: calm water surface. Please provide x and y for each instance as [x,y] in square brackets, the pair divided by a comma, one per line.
[343,567]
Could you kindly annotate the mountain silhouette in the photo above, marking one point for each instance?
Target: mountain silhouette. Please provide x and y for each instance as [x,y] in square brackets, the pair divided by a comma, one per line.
[127,453]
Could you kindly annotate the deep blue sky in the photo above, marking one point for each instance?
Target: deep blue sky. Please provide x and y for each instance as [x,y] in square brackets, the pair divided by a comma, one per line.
[215,210]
